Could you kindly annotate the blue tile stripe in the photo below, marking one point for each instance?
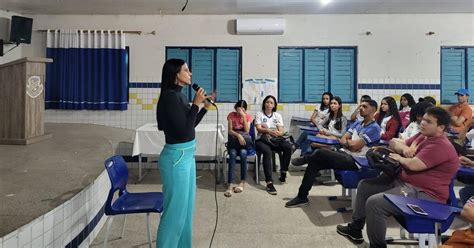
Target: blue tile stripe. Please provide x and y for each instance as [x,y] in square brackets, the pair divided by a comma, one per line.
[144,85]
[359,86]
[87,230]
[399,86]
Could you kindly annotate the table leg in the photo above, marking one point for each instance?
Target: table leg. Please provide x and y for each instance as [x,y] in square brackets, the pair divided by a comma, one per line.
[139,167]
[437,233]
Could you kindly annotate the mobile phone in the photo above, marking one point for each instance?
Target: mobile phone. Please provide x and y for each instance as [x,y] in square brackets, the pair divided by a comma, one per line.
[417,209]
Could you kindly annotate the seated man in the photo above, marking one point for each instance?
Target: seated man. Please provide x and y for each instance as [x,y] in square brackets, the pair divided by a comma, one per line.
[461,113]
[355,142]
[429,162]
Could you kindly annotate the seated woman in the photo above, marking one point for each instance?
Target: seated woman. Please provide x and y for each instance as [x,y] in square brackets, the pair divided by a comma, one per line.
[239,138]
[318,118]
[388,118]
[335,125]
[416,114]
[270,130]
[406,103]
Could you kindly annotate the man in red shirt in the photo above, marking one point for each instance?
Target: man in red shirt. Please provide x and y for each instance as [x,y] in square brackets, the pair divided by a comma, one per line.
[429,162]
[461,113]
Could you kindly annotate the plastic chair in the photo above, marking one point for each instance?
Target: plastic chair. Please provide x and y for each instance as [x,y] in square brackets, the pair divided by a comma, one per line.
[427,228]
[349,179]
[250,153]
[128,203]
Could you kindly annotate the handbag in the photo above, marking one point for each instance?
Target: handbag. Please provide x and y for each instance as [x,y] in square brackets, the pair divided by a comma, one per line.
[233,142]
[276,141]
[378,158]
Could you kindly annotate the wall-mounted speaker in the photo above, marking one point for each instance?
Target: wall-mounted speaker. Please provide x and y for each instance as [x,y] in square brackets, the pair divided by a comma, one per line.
[20,29]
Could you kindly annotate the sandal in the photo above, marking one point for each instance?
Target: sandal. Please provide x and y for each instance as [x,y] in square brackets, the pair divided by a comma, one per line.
[239,188]
[228,192]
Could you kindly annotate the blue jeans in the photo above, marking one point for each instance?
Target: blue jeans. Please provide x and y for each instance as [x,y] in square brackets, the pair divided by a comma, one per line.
[304,143]
[466,193]
[243,164]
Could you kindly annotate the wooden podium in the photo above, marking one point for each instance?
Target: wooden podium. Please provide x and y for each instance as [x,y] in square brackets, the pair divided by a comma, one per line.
[22,101]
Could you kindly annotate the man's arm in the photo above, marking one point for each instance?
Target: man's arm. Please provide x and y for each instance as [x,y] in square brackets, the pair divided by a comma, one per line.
[354,114]
[353,145]
[412,164]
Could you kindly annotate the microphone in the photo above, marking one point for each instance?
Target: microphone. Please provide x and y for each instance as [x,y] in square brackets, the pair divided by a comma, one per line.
[196,88]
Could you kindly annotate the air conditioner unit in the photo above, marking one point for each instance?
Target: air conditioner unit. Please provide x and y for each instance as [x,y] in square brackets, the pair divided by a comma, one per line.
[260,26]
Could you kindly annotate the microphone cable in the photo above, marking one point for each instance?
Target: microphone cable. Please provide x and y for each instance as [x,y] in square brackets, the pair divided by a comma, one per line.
[216,176]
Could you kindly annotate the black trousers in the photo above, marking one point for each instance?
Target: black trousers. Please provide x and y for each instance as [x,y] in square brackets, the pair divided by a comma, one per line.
[266,150]
[323,159]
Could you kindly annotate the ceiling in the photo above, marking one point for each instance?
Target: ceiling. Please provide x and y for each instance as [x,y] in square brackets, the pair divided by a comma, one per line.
[225,7]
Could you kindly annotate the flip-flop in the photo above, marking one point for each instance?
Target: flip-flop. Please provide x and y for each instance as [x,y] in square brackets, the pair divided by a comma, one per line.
[228,193]
[238,189]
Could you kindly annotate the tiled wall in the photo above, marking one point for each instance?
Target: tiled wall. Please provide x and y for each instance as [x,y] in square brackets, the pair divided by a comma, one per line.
[144,96]
[74,223]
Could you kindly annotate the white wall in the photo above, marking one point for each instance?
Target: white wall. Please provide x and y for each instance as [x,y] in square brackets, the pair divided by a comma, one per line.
[397,48]
[16,53]
[398,51]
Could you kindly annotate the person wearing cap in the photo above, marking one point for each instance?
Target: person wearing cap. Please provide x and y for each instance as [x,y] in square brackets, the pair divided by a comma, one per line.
[461,113]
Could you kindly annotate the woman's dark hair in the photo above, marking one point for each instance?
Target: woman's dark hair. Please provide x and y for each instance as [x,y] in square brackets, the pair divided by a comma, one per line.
[410,99]
[241,103]
[419,109]
[338,116]
[427,98]
[274,99]
[171,68]
[322,106]
[392,111]
[442,116]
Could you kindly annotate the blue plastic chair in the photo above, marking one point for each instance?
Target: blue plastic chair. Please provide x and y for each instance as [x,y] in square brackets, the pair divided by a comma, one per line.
[250,153]
[128,203]
[349,179]
[428,228]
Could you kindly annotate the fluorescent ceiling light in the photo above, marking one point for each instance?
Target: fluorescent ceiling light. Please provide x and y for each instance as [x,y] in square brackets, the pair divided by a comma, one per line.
[324,2]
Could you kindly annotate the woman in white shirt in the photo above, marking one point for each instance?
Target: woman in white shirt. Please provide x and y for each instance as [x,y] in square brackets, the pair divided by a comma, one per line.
[318,118]
[269,125]
[335,125]
[416,114]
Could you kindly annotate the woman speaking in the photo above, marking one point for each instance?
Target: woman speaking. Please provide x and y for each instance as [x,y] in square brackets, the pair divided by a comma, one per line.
[177,118]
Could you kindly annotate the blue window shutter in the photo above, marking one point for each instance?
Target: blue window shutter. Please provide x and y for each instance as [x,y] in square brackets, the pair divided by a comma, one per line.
[290,75]
[316,74]
[452,73]
[470,73]
[178,53]
[227,75]
[203,68]
[343,73]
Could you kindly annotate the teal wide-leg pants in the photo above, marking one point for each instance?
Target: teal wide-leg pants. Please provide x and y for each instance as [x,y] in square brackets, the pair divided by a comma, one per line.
[177,166]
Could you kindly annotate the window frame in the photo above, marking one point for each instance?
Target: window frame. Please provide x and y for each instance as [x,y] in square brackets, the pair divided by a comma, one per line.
[214,73]
[464,84]
[328,48]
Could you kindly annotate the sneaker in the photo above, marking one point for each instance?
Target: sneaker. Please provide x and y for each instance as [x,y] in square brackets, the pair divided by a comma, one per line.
[352,234]
[299,161]
[271,189]
[297,202]
[282,177]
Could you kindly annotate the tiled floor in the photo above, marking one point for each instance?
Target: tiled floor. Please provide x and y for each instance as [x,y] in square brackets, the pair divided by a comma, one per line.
[252,218]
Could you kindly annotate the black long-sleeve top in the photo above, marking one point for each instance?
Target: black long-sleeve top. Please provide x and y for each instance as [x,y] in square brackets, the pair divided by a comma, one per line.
[176,117]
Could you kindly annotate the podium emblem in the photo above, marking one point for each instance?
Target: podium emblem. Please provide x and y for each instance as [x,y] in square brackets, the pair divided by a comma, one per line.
[34,88]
